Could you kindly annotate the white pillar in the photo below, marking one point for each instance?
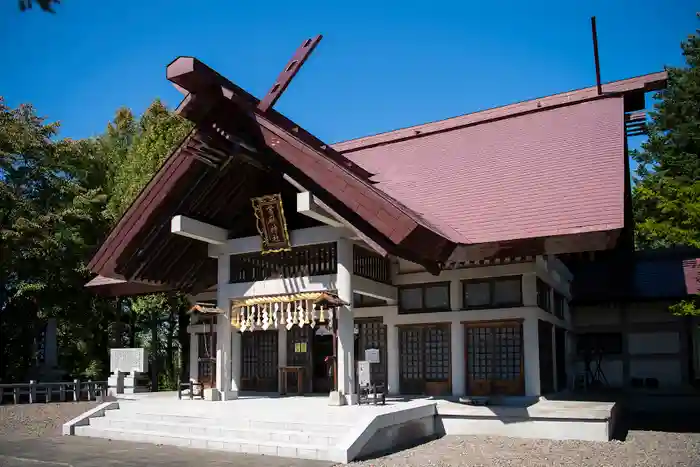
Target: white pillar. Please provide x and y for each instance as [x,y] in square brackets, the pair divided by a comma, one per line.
[459,364]
[194,356]
[531,354]
[392,359]
[529,289]
[236,352]
[346,323]
[224,336]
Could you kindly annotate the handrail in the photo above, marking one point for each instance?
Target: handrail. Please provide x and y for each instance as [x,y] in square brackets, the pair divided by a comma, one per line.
[32,391]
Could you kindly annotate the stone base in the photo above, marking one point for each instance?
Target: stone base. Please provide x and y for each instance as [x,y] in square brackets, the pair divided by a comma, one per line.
[351,399]
[212,394]
[136,390]
[336,399]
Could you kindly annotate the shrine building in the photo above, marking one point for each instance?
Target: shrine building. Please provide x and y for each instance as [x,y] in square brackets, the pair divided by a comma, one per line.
[449,250]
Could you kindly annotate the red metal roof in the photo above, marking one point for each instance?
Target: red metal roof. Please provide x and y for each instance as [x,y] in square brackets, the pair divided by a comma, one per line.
[552,172]
[533,170]
[691,273]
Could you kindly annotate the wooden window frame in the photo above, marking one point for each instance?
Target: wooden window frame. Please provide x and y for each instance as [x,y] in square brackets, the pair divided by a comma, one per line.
[423,308]
[492,288]
[549,303]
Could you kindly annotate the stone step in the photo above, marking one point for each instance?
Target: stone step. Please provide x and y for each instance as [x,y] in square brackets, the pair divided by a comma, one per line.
[271,448]
[201,427]
[261,422]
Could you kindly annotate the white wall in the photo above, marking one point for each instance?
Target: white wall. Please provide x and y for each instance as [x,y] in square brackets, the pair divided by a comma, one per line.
[550,269]
[529,312]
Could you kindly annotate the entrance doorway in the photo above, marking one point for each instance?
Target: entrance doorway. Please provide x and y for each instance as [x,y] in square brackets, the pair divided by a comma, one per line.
[259,361]
[425,359]
[321,358]
[308,347]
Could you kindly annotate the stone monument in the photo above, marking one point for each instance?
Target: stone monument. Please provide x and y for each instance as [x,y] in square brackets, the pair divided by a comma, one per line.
[128,371]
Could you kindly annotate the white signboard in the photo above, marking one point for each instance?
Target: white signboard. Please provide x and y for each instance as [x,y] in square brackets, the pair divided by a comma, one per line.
[372,355]
[128,360]
[363,376]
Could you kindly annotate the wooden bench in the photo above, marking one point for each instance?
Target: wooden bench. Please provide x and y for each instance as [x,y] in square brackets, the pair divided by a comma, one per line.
[371,394]
[191,385]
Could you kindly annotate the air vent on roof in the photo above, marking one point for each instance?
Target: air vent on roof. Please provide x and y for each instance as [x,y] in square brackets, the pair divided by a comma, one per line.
[636,123]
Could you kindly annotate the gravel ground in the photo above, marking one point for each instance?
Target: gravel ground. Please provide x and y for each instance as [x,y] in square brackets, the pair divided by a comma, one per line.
[38,420]
[640,449]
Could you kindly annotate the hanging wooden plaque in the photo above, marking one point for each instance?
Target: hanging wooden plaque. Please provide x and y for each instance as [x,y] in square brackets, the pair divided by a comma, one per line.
[271,224]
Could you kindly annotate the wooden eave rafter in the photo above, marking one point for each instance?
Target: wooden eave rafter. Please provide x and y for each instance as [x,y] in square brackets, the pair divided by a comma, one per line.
[334,179]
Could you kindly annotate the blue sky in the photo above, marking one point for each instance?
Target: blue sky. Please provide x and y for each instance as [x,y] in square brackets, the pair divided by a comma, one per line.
[381,65]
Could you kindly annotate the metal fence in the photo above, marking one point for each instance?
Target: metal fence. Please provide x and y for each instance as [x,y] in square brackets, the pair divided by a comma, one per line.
[36,391]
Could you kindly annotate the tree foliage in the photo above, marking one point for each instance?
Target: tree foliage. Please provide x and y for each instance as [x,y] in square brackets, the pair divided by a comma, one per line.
[666,195]
[58,200]
[45,5]
[49,222]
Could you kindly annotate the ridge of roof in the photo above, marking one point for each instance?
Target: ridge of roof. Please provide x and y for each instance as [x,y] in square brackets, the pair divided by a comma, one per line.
[645,83]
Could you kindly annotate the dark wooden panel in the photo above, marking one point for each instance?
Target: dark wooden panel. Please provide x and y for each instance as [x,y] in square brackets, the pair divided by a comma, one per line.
[560,351]
[371,265]
[372,335]
[312,260]
[544,333]
[259,361]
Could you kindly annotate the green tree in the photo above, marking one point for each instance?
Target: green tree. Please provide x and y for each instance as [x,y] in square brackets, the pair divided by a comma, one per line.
[666,194]
[134,149]
[49,222]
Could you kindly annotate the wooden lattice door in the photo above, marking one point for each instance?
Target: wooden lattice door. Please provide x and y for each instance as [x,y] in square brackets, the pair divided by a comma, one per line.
[259,361]
[425,359]
[494,358]
[372,335]
[206,359]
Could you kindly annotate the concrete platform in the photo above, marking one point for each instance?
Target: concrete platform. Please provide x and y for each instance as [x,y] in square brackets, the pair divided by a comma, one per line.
[308,428]
[560,420]
[297,427]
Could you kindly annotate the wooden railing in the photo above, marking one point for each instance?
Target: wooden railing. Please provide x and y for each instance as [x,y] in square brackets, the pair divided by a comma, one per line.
[371,265]
[34,391]
[312,260]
